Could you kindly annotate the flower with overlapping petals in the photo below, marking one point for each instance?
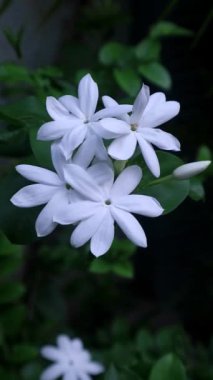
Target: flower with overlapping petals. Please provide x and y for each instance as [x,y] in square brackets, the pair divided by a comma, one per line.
[75,119]
[140,128]
[72,361]
[104,203]
[50,188]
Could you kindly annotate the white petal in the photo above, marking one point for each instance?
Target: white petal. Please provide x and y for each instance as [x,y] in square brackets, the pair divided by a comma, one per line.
[113,111]
[88,95]
[140,104]
[111,128]
[44,222]
[140,204]
[37,174]
[156,113]
[55,109]
[126,182]
[54,130]
[101,151]
[72,140]
[149,155]
[65,344]
[94,368]
[161,139]
[103,237]
[82,182]
[75,212]
[77,345]
[71,374]
[58,160]
[103,175]
[87,228]
[86,152]
[130,226]
[53,372]
[33,195]
[73,105]
[110,102]
[191,169]
[123,147]
[52,353]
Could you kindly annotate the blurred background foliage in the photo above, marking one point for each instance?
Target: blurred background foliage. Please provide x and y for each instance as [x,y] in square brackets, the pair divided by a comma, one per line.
[147,313]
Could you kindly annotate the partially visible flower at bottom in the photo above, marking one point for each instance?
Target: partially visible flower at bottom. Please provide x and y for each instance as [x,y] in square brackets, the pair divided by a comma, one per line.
[72,361]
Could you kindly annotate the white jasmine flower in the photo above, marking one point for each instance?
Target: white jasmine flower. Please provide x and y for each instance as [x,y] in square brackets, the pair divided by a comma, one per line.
[190,170]
[106,202]
[75,119]
[72,361]
[50,189]
[148,113]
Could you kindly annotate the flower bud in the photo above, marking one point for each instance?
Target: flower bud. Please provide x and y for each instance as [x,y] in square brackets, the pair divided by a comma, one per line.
[190,170]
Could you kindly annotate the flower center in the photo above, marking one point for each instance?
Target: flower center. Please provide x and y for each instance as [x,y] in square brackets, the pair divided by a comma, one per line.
[134,127]
[108,202]
[68,187]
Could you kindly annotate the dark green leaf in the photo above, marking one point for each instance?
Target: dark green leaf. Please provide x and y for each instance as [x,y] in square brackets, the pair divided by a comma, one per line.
[157,74]
[100,266]
[12,73]
[112,52]
[11,292]
[4,5]
[111,374]
[197,191]
[204,153]
[169,29]
[124,269]
[21,353]
[144,341]
[169,367]
[13,319]
[148,50]
[128,80]
[41,149]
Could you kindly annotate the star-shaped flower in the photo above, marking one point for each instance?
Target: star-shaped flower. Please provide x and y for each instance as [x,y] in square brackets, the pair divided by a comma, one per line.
[148,113]
[106,202]
[75,119]
[72,361]
[50,188]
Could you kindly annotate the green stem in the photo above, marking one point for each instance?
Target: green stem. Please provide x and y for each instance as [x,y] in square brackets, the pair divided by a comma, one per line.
[160,180]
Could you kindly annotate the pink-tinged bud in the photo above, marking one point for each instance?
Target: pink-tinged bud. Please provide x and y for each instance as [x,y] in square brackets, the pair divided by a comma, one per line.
[190,170]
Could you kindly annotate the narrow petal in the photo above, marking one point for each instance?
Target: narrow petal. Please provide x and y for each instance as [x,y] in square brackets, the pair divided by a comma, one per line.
[87,228]
[72,140]
[113,111]
[53,372]
[149,155]
[154,116]
[140,204]
[71,374]
[82,182]
[55,109]
[111,128]
[140,104]
[126,182]
[77,345]
[54,130]
[65,344]
[88,95]
[52,353]
[37,174]
[33,195]
[110,102]
[71,103]
[130,226]
[94,368]
[101,151]
[103,175]
[161,139]
[76,212]
[44,222]
[123,147]
[86,152]
[103,237]
[58,159]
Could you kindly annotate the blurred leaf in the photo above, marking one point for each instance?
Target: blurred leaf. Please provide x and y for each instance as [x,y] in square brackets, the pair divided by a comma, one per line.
[128,374]
[11,292]
[128,80]
[197,191]
[13,319]
[9,264]
[4,5]
[112,52]
[170,193]
[15,39]
[157,74]
[12,73]
[100,266]
[6,136]
[204,153]
[111,374]
[144,341]
[124,269]
[7,248]
[169,367]
[148,50]
[21,353]
[169,29]
[41,150]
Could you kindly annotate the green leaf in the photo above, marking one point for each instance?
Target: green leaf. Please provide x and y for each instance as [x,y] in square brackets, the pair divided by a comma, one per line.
[171,192]
[9,264]
[197,191]
[112,52]
[13,319]
[7,248]
[169,367]
[21,353]
[144,341]
[11,292]
[15,39]
[148,50]
[12,73]
[100,266]
[157,74]
[204,153]
[41,149]
[169,29]
[128,80]
[111,374]
[124,269]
